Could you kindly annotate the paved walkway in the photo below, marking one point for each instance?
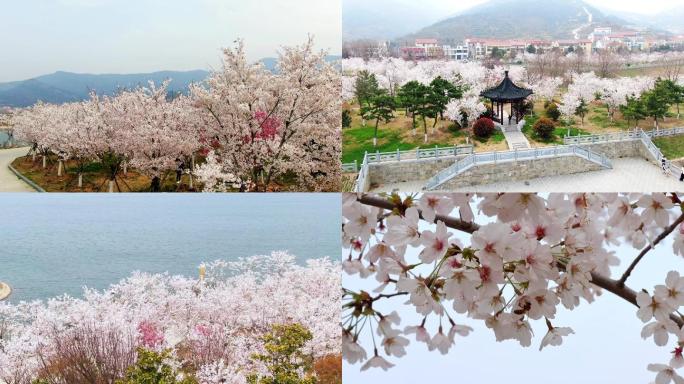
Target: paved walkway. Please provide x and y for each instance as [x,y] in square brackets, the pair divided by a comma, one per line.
[516,140]
[627,175]
[9,182]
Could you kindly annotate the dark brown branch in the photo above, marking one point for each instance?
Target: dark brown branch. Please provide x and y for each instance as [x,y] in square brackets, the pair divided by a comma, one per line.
[387,296]
[449,221]
[618,289]
[648,248]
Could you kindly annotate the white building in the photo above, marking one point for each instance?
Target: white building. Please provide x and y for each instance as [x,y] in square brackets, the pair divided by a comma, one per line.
[459,52]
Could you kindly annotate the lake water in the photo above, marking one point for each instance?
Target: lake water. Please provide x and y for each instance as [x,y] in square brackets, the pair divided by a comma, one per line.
[51,244]
[3,137]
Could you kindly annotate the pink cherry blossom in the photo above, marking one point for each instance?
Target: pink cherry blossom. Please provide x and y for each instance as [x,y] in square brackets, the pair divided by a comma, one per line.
[510,267]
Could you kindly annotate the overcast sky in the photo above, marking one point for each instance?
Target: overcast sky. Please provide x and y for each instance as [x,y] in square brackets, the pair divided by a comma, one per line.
[447,7]
[132,36]
[606,347]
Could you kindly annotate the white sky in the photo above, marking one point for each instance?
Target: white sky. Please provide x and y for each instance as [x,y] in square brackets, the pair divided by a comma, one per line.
[637,6]
[606,347]
[38,37]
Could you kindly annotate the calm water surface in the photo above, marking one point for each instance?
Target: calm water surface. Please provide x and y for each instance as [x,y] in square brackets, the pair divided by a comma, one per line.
[51,244]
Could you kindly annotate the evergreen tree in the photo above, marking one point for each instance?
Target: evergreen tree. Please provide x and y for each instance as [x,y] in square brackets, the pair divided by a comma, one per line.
[346,118]
[656,102]
[633,110]
[582,110]
[284,358]
[675,93]
[442,92]
[366,87]
[381,107]
[411,96]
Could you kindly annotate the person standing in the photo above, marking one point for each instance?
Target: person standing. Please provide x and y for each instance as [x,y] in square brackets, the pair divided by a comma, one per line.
[179,170]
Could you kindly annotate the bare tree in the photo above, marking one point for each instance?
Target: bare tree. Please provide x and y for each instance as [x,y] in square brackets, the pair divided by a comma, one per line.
[607,63]
[672,67]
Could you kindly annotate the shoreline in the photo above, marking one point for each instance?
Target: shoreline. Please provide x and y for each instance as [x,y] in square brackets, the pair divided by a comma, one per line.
[5,291]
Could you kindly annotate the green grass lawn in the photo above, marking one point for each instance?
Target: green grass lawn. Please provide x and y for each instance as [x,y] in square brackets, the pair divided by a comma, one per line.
[357,141]
[497,137]
[398,135]
[558,133]
[672,147]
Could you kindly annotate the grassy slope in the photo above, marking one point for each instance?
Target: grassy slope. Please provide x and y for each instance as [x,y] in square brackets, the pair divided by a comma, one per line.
[398,134]
[672,147]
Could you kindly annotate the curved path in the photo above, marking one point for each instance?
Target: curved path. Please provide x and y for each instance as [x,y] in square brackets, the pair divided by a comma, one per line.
[5,291]
[9,182]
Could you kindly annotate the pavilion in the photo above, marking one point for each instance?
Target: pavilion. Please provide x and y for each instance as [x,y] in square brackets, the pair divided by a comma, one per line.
[506,93]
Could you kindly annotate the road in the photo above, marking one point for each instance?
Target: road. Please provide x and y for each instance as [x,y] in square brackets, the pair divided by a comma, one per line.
[9,182]
[590,19]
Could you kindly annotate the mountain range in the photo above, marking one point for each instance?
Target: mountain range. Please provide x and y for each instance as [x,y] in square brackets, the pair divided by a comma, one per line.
[62,87]
[543,19]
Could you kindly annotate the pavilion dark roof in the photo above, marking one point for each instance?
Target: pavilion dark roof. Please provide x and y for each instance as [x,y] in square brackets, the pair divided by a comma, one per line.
[506,91]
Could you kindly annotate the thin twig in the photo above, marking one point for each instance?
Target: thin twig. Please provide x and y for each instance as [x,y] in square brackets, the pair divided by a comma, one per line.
[449,221]
[648,248]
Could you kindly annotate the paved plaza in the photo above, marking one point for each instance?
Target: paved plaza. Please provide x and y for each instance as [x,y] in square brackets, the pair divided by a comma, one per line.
[627,175]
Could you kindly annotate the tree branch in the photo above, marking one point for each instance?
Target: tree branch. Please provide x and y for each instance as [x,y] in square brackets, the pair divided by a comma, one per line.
[616,287]
[619,289]
[648,248]
[449,221]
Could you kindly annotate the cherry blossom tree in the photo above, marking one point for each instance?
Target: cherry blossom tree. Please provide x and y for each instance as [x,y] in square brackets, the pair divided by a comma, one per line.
[523,258]
[302,100]
[159,133]
[213,324]
[546,88]
[615,92]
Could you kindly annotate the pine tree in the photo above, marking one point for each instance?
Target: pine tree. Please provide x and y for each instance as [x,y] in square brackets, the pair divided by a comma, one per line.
[380,108]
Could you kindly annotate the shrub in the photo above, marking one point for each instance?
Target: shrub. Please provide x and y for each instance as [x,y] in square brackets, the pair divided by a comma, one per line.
[152,367]
[483,127]
[552,112]
[284,358]
[329,369]
[87,354]
[488,113]
[207,347]
[346,118]
[524,108]
[544,128]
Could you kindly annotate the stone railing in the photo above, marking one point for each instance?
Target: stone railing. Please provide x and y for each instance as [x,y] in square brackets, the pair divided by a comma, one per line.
[512,156]
[620,136]
[415,154]
[350,167]
[419,154]
[666,164]
[362,179]
[637,134]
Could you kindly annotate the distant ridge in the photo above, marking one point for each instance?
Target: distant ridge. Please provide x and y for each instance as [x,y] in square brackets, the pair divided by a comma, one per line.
[62,87]
[543,19]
